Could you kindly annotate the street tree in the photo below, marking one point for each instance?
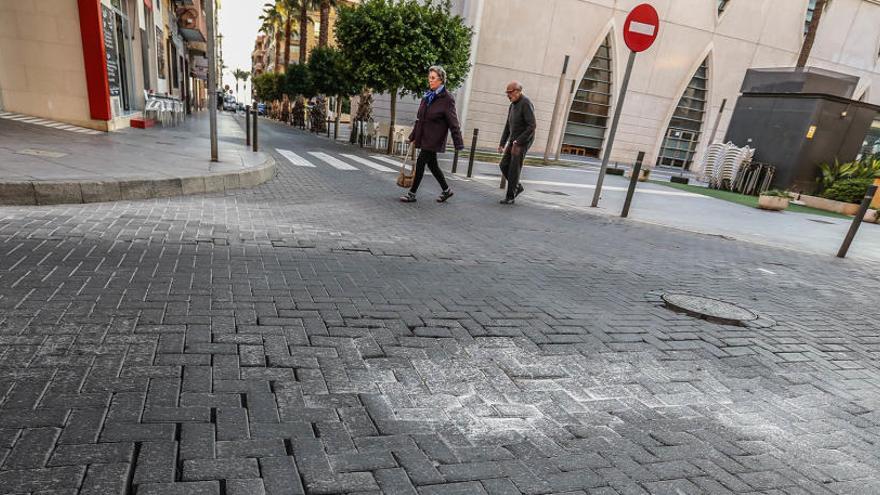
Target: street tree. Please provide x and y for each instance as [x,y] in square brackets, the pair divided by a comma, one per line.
[268,86]
[298,86]
[304,7]
[331,75]
[324,35]
[240,75]
[391,44]
[272,21]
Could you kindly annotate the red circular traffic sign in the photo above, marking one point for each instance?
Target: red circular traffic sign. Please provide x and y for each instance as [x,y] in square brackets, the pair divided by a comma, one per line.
[641,28]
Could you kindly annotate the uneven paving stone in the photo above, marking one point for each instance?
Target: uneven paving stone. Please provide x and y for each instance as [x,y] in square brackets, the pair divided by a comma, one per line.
[313,335]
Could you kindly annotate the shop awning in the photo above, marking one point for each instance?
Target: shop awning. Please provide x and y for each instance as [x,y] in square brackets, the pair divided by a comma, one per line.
[192,34]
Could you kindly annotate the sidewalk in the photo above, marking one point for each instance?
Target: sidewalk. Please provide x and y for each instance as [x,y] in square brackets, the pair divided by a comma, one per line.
[40,165]
[573,188]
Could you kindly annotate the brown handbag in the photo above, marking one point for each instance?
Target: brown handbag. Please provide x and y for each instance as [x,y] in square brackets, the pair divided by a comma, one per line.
[405,179]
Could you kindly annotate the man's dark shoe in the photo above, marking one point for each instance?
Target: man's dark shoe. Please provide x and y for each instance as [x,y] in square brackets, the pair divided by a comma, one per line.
[506,201]
[519,190]
[445,195]
[408,198]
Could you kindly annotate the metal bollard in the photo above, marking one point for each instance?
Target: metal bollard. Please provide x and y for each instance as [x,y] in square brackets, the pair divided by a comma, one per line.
[857,221]
[256,115]
[455,162]
[470,171]
[247,124]
[361,133]
[328,127]
[632,184]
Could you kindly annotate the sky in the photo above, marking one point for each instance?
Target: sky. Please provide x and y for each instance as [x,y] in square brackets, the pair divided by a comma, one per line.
[239,22]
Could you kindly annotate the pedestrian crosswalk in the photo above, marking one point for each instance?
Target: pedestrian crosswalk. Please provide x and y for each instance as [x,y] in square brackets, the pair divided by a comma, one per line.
[347,162]
[27,119]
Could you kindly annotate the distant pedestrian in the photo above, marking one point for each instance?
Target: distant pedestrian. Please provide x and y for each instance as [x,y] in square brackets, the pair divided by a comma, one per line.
[436,118]
[518,136]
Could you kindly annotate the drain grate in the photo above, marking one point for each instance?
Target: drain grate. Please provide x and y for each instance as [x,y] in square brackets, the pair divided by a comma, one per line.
[822,221]
[555,193]
[709,309]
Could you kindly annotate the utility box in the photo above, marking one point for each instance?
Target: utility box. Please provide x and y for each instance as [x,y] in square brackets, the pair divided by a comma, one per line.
[799,118]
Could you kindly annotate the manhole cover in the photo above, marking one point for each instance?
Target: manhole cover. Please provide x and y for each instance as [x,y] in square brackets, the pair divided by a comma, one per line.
[709,309]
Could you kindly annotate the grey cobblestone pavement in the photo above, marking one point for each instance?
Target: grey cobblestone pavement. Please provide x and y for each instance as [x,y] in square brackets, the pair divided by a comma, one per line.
[313,335]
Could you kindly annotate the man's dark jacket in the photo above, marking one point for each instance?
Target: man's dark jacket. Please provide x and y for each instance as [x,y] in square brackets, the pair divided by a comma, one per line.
[521,123]
[434,122]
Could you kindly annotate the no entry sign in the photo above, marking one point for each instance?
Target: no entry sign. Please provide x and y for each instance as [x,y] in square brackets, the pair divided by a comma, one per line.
[639,32]
[641,28]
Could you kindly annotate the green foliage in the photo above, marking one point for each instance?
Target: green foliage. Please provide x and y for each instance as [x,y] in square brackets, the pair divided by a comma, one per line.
[848,190]
[268,86]
[392,43]
[331,73]
[298,81]
[867,168]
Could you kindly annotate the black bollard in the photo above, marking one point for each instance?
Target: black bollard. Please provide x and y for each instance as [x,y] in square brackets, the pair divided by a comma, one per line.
[470,171]
[247,124]
[632,184]
[857,221]
[256,115]
[455,162]
[328,127]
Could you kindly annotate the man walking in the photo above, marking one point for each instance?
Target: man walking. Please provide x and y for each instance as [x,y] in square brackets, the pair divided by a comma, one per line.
[519,133]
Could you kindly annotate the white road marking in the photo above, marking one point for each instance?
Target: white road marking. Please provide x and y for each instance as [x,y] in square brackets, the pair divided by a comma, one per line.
[766,271]
[592,186]
[294,158]
[47,123]
[387,159]
[332,161]
[371,164]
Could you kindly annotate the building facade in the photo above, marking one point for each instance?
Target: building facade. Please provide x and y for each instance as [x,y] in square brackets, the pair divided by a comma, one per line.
[675,96]
[93,62]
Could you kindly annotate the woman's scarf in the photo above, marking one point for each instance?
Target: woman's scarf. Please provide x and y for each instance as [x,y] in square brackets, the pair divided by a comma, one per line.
[431,94]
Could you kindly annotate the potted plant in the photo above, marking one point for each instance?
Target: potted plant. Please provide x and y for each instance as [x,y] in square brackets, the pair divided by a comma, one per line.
[774,200]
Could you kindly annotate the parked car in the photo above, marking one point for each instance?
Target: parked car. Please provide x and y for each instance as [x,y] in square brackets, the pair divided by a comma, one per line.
[261,108]
[229,103]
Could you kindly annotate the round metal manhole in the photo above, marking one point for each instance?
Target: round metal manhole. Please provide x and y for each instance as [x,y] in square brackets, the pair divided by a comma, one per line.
[709,309]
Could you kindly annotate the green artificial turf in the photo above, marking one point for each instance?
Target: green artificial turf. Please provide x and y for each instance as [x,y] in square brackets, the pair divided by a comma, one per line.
[744,200]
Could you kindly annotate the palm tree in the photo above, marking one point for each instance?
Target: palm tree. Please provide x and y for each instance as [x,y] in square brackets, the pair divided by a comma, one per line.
[304,7]
[326,5]
[812,29]
[240,75]
[288,9]
[272,20]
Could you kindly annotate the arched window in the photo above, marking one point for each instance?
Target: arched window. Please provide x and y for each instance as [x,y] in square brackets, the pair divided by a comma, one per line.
[588,117]
[683,133]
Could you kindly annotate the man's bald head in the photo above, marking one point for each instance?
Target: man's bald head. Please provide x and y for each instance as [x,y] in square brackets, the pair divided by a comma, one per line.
[514,91]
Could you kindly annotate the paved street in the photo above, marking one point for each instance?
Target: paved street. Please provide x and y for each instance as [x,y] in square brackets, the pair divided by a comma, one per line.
[314,335]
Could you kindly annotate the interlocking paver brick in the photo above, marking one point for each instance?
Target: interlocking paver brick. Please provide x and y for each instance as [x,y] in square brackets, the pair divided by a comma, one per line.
[317,329]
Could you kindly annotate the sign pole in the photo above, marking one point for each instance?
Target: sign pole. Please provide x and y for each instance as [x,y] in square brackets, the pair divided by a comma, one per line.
[553,117]
[613,131]
[212,79]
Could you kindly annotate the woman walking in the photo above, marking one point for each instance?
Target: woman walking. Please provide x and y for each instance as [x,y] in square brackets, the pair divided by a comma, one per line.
[435,120]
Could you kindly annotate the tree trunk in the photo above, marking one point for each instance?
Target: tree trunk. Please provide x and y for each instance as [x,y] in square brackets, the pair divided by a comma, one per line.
[287,29]
[277,52]
[338,111]
[393,117]
[303,31]
[324,38]
[810,38]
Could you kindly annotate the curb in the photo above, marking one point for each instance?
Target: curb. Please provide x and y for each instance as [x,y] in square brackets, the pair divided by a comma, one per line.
[78,192]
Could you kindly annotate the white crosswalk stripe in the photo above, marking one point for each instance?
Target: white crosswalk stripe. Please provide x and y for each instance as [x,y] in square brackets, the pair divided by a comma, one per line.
[388,159]
[48,123]
[332,161]
[294,158]
[371,164]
